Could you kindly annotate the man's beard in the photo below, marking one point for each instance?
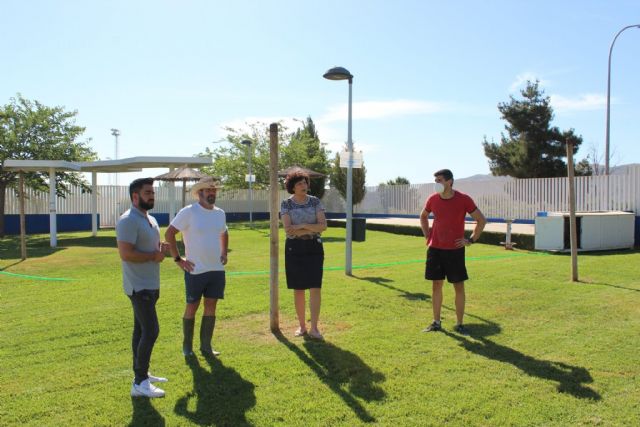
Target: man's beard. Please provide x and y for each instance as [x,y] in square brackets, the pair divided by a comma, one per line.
[148,205]
[211,199]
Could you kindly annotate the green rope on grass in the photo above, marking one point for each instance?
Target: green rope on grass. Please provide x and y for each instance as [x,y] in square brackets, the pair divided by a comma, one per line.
[25,276]
[390,264]
[265,272]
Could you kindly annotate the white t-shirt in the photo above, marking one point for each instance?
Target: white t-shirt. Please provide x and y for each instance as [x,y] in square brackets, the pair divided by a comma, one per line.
[201,229]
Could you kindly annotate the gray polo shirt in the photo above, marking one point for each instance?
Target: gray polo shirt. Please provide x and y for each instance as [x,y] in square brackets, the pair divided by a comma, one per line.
[143,233]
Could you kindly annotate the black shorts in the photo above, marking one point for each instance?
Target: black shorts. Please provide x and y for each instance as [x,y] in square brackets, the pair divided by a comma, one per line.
[303,261]
[209,284]
[447,263]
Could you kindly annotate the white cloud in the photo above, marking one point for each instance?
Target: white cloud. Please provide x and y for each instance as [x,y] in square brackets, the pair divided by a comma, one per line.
[336,136]
[589,101]
[522,78]
[380,109]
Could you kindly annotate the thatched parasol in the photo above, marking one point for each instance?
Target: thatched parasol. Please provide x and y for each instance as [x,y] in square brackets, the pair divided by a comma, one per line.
[183,174]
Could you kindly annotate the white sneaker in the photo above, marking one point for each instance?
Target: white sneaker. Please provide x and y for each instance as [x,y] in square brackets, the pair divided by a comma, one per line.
[154,379]
[146,389]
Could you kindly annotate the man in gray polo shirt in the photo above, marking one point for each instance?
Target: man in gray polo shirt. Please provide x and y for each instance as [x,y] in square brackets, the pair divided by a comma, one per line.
[141,253]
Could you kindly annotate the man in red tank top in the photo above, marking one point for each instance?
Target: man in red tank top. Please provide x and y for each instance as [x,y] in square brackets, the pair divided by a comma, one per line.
[446,244]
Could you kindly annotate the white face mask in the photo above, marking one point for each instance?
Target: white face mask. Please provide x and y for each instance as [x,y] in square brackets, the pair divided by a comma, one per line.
[439,187]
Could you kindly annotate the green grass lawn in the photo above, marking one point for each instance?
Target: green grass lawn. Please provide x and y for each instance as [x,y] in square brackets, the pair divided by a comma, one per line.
[542,350]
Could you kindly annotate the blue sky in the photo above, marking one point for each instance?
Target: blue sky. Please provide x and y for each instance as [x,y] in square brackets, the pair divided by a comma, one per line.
[428,75]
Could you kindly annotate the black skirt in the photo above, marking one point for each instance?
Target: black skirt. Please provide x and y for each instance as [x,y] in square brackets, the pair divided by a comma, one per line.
[303,261]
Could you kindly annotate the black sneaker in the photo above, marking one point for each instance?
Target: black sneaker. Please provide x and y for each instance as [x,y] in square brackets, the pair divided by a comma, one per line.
[434,327]
[461,329]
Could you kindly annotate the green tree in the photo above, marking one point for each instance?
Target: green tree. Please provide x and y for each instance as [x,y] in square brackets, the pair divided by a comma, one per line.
[32,131]
[230,161]
[398,181]
[305,149]
[300,148]
[583,168]
[338,180]
[531,148]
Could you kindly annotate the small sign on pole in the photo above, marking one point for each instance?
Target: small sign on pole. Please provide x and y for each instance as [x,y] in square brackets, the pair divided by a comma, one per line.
[249,178]
[356,158]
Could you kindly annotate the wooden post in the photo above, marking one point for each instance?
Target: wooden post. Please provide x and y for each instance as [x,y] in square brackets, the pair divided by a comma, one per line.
[23,225]
[572,213]
[184,193]
[274,232]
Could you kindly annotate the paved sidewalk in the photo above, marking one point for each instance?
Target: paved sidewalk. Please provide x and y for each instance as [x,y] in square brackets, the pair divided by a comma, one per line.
[493,227]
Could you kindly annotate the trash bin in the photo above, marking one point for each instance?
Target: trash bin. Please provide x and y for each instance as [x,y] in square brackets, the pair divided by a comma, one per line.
[358,229]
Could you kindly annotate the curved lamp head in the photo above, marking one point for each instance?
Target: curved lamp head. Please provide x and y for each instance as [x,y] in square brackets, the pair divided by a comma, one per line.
[338,73]
[246,142]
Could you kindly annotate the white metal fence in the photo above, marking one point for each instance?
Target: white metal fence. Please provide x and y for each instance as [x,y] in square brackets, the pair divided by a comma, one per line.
[497,198]
[509,198]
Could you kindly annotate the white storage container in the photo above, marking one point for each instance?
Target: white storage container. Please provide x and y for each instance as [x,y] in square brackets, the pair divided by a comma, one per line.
[596,231]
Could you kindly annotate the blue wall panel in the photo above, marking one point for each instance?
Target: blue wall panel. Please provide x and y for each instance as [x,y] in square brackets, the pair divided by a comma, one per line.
[39,223]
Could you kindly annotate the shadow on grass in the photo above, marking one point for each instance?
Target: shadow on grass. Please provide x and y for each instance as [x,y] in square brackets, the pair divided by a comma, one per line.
[10,265]
[384,282]
[41,246]
[36,247]
[222,395]
[597,253]
[570,379]
[608,285]
[342,371]
[144,414]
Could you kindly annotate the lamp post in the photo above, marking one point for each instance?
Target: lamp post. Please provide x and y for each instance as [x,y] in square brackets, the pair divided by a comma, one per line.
[248,143]
[340,73]
[116,133]
[606,155]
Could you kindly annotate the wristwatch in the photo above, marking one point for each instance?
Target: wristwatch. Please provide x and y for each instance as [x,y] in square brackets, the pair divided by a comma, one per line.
[177,258]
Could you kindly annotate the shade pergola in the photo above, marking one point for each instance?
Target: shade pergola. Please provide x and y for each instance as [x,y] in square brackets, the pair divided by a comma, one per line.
[131,164]
[183,174]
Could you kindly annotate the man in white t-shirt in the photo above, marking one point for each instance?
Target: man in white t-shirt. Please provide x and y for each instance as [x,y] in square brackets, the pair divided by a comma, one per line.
[206,240]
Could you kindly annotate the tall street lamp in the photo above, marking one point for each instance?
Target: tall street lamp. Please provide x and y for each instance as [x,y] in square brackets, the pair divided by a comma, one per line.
[248,143]
[340,73]
[606,154]
[116,133]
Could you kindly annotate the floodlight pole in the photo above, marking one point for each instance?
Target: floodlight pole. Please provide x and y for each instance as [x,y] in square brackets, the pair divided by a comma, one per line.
[248,143]
[116,133]
[340,73]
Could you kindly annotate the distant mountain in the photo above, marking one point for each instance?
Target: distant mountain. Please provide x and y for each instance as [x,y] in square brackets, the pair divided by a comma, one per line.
[485,177]
[623,169]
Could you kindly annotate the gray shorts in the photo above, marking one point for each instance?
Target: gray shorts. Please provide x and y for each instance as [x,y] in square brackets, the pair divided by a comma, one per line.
[209,284]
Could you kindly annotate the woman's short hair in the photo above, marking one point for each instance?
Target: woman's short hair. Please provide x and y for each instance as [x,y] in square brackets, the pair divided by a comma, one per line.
[293,178]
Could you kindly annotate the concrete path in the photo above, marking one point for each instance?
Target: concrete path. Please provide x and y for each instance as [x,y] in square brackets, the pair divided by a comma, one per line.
[494,227]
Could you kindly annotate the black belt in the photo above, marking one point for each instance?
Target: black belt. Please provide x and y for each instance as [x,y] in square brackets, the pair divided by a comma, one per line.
[307,237]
